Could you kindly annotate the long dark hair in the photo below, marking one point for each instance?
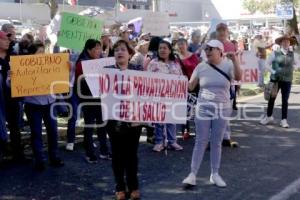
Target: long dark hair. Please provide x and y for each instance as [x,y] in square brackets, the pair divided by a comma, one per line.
[172,55]
[154,43]
[89,44]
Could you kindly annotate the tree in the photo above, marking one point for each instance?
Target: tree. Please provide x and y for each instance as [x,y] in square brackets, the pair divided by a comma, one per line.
[268,6]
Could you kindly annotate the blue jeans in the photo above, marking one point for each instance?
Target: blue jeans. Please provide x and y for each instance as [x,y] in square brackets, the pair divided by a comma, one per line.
[160,136]
[92,116]
[35,114]
[74,101]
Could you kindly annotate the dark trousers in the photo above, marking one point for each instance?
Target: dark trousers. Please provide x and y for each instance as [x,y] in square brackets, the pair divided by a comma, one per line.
[285,88]
[74,101]
[14,115]
[3,131]
[35,114]
[124,143]
[93,117]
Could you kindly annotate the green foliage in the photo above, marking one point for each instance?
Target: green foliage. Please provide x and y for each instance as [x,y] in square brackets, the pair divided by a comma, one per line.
[265,6]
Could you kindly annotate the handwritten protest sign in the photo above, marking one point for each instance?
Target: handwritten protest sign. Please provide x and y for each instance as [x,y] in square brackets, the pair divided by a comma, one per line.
[156,23]
[137,96]
[76,29]
[39,74]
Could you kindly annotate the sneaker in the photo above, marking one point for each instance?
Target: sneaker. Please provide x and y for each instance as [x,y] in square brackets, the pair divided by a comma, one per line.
[135,195]
[120,195]
[70,147]
[230,143]
[158,147]
[190,180]
[266,120]
[284,124]
[57,162]
[105,156]
[175,147]
[217,180]
[92,159]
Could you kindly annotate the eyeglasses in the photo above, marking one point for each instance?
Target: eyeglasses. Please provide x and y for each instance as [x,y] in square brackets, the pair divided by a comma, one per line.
[9,35]
[209,48]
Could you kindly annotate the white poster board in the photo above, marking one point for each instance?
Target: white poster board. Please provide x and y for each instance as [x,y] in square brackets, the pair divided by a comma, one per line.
[92,68]
[249,67]
[156,23]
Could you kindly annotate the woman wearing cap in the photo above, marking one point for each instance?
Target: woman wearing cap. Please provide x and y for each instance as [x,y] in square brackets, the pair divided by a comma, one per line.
[213,108]
[165,63]
[188,62]
[282,62]
[222,34]
[124,136]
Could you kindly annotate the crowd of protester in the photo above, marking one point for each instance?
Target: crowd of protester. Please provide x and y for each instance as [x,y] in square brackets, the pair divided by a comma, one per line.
[211,65]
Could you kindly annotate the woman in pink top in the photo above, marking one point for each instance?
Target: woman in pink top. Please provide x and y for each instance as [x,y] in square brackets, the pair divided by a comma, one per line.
[188,62]
[165,63]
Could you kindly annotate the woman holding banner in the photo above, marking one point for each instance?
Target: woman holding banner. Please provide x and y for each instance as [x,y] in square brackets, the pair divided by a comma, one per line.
[188,62]
[91,107]
[124,136]
[213,108]
[165,63]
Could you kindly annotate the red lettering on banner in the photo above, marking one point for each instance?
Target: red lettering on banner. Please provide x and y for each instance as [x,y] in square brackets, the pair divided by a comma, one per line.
[104,83]
[250,75]
[124,110]
[154,112]
[125,86]
[162,88]
[168,89]
[116,88]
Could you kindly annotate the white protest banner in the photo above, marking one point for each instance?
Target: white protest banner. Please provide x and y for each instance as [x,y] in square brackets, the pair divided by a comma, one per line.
[191,103]
[249,67]
[137,96]
[92,68]
[156,23]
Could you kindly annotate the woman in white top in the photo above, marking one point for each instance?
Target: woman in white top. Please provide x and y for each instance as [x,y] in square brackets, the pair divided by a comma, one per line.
[213,108]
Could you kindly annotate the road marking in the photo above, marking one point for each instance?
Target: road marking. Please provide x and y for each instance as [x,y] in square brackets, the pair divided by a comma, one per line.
[291,189]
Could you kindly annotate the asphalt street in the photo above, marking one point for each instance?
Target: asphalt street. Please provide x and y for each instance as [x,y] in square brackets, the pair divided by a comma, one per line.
[265,166]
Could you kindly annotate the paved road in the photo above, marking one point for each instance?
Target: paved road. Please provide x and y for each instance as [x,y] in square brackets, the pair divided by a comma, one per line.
[266,166]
